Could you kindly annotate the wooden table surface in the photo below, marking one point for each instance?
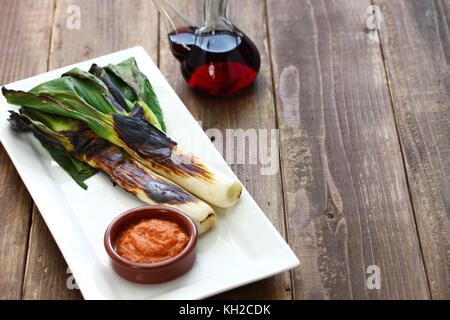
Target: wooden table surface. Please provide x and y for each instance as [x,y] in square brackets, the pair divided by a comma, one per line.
[364,145]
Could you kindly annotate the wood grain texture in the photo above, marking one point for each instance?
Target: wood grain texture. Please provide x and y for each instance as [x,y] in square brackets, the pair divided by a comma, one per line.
[349,104]
[44,278]
[346,195]
[415,40]
[105,27]
[25,33]
[252,109]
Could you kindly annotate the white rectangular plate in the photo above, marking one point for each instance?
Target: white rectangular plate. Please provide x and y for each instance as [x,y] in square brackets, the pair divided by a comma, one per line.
[242,248]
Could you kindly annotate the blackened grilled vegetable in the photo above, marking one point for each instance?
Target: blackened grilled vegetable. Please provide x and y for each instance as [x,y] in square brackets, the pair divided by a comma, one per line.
[78,141]
[101,105]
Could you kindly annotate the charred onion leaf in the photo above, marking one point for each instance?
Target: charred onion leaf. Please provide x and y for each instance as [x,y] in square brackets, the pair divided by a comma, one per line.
[67,88]
[78,170]
[82,144]
[128,72]
[126,93]
[133,133]
[141,136]
[141,110]
[123,170]
[106,79]
[64,103]
[84,82]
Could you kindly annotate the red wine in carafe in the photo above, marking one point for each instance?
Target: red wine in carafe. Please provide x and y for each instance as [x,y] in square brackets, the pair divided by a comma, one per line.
[219,63]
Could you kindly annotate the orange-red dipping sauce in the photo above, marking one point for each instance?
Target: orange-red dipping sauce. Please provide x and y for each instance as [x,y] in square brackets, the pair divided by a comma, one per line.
[152,240]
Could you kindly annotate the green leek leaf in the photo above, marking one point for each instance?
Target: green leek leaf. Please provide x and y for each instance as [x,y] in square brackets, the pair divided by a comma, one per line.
[129,73]
[45,132]
[79,171]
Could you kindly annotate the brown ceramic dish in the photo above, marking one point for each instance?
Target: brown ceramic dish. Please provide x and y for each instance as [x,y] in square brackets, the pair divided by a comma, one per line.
[151,272]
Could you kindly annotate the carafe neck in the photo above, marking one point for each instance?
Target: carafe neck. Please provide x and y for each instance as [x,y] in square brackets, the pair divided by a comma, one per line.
[215,12]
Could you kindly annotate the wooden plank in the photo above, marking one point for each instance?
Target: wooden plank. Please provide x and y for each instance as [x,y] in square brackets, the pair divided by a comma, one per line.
[346,199]
[105,27]
[25,33]
[415,40]
[252,109]
[46,276]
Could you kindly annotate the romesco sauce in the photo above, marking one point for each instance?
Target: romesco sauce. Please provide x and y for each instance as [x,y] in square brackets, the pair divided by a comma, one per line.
[152,240]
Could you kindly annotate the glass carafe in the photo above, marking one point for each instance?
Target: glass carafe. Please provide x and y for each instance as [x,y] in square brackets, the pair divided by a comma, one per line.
[216,58]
